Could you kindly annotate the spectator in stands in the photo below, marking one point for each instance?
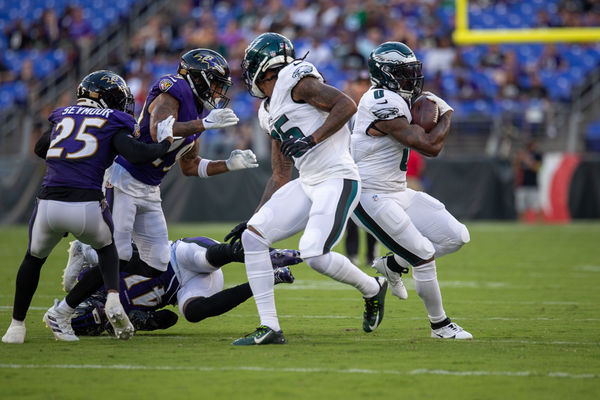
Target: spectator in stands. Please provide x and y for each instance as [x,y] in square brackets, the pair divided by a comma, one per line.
[527,163]
[18,35]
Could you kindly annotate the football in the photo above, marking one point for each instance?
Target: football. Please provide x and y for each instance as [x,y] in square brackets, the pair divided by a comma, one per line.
[425,113]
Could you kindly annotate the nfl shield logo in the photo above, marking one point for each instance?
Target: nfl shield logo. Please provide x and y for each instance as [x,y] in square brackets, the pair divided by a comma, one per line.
[272,53]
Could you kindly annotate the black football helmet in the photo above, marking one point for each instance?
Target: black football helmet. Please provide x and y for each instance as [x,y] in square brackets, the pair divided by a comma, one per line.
[105,89]
[394,66]
[207,73]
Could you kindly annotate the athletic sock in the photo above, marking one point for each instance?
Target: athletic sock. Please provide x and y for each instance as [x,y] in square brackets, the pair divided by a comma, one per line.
[219,303]
[223,253]
[428,289]
[108,261]
[89,283]
[260,277]
[28,278]
[339,267]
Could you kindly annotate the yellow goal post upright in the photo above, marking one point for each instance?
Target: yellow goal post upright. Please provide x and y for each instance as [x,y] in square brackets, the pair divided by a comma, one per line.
[465,36]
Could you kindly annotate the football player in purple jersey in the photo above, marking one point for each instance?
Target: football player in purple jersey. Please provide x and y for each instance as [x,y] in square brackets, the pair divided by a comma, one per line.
[175,102]
[193,281]
[83,141]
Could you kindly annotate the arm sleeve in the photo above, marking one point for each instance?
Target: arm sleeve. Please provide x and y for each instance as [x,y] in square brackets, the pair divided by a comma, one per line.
[192,257]
[43,143]
[137,152]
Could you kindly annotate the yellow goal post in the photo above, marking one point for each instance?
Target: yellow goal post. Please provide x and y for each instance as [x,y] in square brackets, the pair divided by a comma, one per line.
[464,36]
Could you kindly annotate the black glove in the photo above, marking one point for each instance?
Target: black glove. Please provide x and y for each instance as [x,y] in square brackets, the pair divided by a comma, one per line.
[293,147]
[236,233]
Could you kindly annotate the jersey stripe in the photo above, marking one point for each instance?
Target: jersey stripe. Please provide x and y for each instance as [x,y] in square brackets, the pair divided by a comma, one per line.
[349,193]
[384,238]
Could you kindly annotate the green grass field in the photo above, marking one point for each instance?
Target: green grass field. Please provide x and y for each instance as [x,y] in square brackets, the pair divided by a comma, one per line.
[528,294]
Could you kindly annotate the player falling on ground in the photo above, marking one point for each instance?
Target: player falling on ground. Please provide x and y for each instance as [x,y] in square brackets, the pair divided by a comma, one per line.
[193,281]
[133,192]
[82,143]
[306,120]
[413,225]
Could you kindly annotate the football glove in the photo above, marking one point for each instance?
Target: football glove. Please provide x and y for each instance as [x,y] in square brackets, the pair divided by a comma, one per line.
[165,129]
[236,233]
[241,159]
[220,118]
[293,146]
[442,105]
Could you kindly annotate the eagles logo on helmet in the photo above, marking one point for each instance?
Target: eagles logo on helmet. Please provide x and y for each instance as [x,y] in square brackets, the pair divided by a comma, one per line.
[394,66]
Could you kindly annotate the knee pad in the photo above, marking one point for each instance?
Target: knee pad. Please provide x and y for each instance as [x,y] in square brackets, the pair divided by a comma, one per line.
[253,242]
[464,235]
[425,272]
[160,257]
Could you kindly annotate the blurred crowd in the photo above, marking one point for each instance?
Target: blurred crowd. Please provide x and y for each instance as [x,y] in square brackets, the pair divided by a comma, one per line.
[338,36]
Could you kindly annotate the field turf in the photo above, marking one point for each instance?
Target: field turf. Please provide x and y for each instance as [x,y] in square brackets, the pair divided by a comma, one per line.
[528,294]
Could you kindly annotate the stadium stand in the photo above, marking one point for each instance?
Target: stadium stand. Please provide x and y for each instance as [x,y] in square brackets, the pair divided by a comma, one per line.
[509,83]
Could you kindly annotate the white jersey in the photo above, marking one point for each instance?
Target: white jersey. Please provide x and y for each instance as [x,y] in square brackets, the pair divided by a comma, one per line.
[283,118]
[381,160]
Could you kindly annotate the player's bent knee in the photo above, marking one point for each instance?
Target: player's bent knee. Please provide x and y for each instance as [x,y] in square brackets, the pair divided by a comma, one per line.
[196,309]
[465,237]
[252,241]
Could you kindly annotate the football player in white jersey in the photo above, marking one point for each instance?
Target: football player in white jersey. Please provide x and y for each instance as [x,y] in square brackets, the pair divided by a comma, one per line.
[416,227]
[306,120]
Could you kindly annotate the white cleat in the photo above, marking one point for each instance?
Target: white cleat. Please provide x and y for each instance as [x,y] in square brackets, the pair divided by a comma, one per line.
[75,264]
[118,317]
[451,331]
[14,334]
[394,278]
[60,323]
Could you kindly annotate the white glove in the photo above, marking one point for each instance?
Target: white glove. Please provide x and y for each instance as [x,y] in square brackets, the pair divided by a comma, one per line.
[165,129]
[241,159]
[220,118]
[442,105]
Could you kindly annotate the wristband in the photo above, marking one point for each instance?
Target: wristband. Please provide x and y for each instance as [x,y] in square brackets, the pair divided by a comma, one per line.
[202,166]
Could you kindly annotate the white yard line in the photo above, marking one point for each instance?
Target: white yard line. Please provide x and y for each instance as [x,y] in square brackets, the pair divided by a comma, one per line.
[558,374]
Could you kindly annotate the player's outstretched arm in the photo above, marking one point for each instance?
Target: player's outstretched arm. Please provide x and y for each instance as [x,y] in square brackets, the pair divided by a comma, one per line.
[414,136]
[327,98]
[193,165]
[282,172]
[137,152]
[166,105]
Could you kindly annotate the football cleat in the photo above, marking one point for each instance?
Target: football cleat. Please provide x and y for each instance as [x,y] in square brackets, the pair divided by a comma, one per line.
[374,307]
[14,334]
[117,317]
[75,264]
[283,275]
[60,323]
[284,257]
[449,330]
[262,335]
[394,278]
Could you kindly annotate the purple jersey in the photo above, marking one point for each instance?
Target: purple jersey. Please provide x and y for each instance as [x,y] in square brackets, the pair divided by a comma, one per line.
[80,145]
[143,293]
[153,173]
